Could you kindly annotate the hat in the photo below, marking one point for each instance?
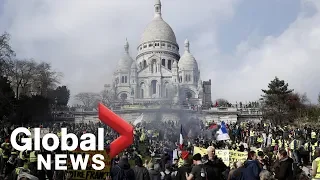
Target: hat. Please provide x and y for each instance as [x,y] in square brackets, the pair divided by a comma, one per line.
[197,157]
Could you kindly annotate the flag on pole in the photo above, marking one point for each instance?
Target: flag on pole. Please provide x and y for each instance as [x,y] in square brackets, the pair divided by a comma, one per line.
[223,132]
[138,120]
[184,154]
[181,138]
[214,126]
[183,134]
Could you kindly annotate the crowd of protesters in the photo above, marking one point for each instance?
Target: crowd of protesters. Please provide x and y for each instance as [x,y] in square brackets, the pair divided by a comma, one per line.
[283,153]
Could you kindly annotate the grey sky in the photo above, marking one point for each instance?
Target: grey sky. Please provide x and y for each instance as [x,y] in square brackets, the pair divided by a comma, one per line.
[240,44]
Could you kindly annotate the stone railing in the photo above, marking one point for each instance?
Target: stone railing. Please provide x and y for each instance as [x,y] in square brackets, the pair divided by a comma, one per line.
[222,109]
[250,111]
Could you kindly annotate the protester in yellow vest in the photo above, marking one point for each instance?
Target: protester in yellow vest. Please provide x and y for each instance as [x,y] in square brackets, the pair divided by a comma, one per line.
[314,147]
[316,166]
[313,135]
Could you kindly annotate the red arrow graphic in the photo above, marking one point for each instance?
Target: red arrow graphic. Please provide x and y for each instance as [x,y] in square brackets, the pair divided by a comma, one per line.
[121,126]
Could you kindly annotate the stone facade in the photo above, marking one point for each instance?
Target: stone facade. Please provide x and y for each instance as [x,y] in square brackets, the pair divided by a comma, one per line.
[229,115]
[159,72]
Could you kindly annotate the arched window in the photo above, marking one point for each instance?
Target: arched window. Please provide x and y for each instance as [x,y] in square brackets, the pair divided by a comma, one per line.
[125,79]
[154,86]
[164,62]
[144,63]
[122,79]
[141,94]
[169,64]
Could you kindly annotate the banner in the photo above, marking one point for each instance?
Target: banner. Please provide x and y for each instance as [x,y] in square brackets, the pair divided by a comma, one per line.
[228,156]
[200,150]
[90,174]
[224,155]
[236,156]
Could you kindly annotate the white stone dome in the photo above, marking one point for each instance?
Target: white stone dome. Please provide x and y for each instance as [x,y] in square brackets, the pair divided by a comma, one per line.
[158,29]
[125,62]
[187,61]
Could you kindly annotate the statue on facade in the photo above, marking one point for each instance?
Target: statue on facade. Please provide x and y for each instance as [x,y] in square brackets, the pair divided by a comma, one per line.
[175,90]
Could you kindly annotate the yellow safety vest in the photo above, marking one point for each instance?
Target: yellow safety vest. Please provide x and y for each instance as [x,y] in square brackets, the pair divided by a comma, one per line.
[314,146]
[318,169]
[251,133]
[259,140]
[306,146]
[280,143]
[21,169]
[273,142]
[33,157]
[292,144]
[313,135]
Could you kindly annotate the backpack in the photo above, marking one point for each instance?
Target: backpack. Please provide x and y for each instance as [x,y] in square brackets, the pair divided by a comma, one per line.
[167,176]
[203,172]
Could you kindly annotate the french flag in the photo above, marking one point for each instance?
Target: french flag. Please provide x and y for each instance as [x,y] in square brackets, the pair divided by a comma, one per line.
[223,132]
[182,134]
[184,154]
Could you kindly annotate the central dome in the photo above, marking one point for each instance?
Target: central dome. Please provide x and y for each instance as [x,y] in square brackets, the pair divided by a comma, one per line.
[158,29]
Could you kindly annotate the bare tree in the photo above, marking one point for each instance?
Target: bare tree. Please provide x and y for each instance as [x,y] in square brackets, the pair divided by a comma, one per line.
[45,78]
[21,75]
[319,99]
[107,97]
[6,53]
[88,99]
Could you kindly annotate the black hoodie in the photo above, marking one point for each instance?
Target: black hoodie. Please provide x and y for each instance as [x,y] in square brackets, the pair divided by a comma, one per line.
[122,169]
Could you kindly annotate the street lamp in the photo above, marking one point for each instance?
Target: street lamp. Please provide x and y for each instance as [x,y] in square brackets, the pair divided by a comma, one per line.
[55,108]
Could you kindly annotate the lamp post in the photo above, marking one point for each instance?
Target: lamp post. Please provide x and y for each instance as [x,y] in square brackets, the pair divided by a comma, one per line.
[55,108]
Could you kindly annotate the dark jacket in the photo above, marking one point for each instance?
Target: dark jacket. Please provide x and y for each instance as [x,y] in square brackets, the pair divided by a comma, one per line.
[181,173]
[215,168]
[252,170]
[124,167]
[283,169]
[237,174]
[141,173]
[164,160]
[154,175]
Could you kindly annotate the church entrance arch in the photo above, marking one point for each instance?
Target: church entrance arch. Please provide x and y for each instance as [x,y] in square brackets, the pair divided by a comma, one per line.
[123,96]
[188,94]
